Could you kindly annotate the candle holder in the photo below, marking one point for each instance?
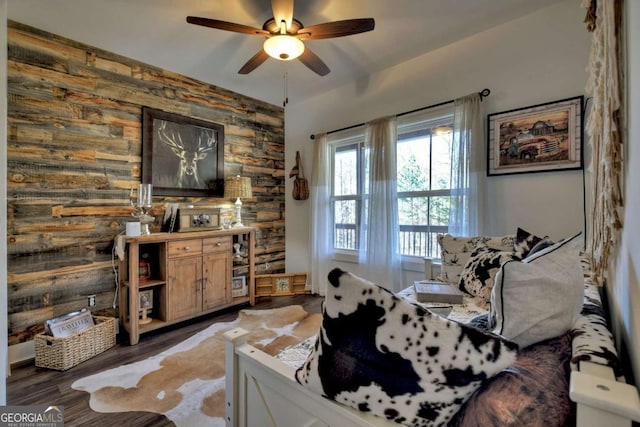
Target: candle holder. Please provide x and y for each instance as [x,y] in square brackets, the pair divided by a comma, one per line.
[236,247]
[143,206]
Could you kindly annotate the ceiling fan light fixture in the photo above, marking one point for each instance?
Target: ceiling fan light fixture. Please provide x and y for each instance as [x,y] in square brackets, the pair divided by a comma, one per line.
[283,47]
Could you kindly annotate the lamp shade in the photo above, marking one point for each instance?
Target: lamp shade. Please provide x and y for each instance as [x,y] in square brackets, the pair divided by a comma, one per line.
[237,187]
[283,47]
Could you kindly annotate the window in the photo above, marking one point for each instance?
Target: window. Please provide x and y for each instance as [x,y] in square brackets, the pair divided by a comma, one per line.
[347,191]
[423,183]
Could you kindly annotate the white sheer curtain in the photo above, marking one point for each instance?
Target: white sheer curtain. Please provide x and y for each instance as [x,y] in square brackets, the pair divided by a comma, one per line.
[466,216]
[379,257]
[320,225]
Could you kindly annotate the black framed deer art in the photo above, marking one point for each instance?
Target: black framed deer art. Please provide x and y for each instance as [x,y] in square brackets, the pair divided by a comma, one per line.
[182,156]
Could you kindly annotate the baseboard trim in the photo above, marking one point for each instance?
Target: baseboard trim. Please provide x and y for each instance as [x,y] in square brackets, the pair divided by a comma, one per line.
[22,352]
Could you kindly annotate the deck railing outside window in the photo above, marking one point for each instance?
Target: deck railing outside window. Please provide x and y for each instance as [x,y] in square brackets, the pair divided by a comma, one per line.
[415,240]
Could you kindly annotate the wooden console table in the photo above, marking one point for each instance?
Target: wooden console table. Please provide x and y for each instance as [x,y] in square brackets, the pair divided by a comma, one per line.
[190,274]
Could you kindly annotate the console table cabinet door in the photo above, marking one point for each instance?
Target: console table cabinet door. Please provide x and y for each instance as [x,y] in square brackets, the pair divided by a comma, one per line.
[185,286]
[216,279]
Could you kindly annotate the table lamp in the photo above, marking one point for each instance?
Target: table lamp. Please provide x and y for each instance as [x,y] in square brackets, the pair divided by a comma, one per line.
[237,187]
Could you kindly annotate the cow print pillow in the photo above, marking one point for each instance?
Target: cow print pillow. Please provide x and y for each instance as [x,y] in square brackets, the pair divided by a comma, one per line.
[455,252]
[385,355]
[592,339]
[479,273]
[525,241]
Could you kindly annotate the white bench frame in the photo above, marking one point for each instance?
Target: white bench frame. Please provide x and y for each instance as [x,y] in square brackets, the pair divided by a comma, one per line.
[261,392]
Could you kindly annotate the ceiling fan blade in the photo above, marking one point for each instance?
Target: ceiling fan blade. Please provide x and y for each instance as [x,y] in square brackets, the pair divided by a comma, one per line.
[227,26]
[282,11]
[314,62]
[337,29]
[253,63]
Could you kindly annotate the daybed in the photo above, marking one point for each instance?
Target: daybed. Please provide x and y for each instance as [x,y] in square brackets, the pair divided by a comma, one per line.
[446,372]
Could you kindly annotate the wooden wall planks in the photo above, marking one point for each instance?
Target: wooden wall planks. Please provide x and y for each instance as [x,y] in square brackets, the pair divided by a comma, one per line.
[74,152]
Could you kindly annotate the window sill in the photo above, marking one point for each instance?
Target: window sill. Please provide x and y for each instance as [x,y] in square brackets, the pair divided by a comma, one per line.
[409,263]
[346,256]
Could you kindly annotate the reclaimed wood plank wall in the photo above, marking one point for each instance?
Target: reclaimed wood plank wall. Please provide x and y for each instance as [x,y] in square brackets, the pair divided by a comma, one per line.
[74,153]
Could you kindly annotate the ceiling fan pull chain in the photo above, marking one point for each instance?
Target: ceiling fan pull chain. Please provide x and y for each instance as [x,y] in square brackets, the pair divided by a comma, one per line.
[286,90]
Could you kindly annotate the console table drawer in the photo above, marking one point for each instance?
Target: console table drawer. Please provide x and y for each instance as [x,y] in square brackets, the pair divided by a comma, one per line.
[215,244]
[185,248]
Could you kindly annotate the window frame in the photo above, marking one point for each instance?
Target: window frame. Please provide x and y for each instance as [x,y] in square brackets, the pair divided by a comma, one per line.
[421,122]
[352,138]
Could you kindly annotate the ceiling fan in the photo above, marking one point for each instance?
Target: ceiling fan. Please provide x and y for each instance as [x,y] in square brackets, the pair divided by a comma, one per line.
[285,36]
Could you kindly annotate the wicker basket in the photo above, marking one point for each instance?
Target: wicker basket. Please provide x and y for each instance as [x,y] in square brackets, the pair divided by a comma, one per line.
[67,352]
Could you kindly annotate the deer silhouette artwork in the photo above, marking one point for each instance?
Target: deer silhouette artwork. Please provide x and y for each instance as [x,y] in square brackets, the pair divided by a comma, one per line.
[189,153]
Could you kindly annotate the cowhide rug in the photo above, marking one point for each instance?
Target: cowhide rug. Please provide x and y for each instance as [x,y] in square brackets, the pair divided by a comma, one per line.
[186,382]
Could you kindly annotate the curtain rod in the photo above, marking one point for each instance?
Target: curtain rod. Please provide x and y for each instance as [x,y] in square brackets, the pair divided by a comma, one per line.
[483,94]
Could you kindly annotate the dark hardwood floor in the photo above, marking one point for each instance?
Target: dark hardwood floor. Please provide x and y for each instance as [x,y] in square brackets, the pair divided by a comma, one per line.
[29,385]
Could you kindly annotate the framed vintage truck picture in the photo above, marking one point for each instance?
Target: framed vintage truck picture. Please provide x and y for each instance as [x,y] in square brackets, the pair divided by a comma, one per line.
[539,138]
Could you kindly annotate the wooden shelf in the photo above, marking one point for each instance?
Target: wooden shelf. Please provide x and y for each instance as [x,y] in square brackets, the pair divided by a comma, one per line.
[281,284]
[148,283]
[152,326]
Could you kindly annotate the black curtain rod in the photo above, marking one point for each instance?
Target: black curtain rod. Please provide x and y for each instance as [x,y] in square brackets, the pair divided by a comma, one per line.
[483,94]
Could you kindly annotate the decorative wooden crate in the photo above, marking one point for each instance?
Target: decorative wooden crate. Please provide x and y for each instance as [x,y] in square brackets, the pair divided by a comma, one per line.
[281,284]
[64,353]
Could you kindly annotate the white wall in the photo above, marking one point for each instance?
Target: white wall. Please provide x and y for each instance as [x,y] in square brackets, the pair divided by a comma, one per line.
[625,283]
[535,59]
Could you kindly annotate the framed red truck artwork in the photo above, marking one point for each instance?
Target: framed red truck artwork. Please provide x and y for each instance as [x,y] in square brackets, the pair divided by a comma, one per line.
[540,138]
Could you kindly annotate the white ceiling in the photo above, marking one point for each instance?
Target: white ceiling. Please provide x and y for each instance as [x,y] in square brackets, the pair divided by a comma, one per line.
[156,32]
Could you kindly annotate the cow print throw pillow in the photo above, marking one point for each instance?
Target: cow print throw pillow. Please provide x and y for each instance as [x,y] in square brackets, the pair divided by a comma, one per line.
[524,242]
[385,355]
[455,252]
[480,271]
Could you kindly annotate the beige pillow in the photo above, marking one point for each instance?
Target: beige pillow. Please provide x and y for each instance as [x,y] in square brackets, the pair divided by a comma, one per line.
[540,297]
[456,251]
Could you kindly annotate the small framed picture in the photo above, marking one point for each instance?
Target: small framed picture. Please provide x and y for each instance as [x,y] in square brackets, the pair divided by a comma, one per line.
[146,299]
[239,286]
[283,285]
